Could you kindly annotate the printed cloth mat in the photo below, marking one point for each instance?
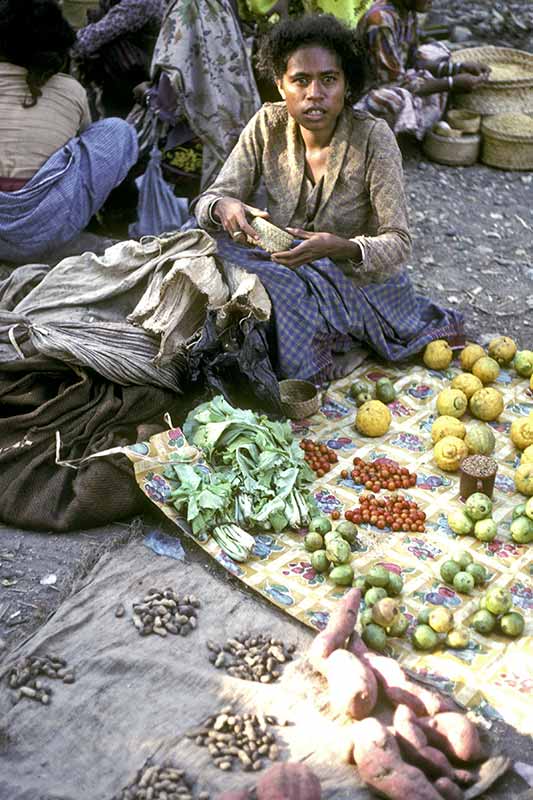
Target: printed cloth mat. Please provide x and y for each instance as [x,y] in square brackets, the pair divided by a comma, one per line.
[493,675]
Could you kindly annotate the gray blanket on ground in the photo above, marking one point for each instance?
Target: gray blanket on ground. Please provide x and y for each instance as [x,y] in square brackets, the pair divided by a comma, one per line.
[136,697]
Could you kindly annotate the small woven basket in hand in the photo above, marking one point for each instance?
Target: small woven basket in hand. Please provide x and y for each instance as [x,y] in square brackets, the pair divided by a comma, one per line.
[508,141]
[456,151]
[510,84]
[299,399]
[271,238]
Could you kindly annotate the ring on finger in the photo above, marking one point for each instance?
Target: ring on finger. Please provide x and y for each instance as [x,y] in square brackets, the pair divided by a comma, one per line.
[237,235]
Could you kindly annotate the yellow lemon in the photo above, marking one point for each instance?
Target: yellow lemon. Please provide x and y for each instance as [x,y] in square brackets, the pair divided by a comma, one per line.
[522,432]
[467,383]
[486,404]
[438,354]
[486,369]
[452,402]
[449,453]
[469,356]
[523,479]
[502,349]
[527,455]
[373,418]
[447,426]
[523,363]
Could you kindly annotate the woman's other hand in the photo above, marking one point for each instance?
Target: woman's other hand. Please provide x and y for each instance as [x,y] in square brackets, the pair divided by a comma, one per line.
[317,245]
[465,82]
[231,213]
[475,69]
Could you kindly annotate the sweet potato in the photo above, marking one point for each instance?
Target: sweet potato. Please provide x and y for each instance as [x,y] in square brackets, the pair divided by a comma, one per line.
[414,745]
[339,628]
[381,766]
[454,734]
[398,688]
[353,689]
[288,782]
[448,789]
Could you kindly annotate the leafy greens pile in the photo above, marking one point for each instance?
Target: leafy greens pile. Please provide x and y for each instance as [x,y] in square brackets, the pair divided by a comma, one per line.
[257,476]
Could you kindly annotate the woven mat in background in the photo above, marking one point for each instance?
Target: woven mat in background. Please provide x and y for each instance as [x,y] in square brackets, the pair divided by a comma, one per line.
[493,675]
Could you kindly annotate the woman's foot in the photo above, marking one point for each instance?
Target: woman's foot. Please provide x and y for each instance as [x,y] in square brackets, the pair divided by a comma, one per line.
[344,363]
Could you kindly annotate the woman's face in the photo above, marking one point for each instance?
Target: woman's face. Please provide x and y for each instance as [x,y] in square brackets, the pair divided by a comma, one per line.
[313,88]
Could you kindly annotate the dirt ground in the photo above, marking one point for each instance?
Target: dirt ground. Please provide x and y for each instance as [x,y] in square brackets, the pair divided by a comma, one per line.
[473,249]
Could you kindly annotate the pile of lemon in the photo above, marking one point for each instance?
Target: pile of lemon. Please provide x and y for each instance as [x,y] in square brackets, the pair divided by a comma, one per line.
[469,391]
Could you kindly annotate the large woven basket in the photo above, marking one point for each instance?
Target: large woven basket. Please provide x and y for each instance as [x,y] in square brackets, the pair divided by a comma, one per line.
[271,238]
[508,141]
[463,120]
[299,399]
[456,151]
[510,85]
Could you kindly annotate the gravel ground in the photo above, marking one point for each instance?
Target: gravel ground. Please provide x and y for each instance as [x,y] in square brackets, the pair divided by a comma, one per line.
[473,249]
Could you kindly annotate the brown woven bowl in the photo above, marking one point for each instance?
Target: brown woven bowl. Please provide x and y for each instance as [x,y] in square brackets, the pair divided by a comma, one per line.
[299,399]
[271,238]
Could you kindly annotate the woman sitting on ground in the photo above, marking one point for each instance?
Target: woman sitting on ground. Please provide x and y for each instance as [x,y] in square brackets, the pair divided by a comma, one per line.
[56,169]
[334,176]
[411,82]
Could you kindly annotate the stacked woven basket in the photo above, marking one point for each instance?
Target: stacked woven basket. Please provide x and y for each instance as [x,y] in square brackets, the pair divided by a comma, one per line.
[503,108]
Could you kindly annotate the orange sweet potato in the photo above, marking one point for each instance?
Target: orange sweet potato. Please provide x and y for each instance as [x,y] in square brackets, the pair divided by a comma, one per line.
[353,689]
[455,735]
[338,629]
[414,745]
[448,789]
[398,688]
[288,782]
[381,766]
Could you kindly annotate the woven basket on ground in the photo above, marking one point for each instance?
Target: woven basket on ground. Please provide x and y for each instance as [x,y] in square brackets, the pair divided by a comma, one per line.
[299,399]
[508,141]
[510,85]
[271,238]
[456,151]
[463,120]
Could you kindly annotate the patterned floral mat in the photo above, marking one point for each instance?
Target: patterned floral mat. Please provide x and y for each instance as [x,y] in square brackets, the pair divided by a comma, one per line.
[493,675]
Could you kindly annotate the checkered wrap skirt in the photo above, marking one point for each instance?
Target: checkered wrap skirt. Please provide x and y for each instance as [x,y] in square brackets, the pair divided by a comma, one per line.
[318,311]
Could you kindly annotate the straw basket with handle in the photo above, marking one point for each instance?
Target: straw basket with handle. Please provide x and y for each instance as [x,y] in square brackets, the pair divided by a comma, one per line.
[510,84]
[508,141]
[271,238]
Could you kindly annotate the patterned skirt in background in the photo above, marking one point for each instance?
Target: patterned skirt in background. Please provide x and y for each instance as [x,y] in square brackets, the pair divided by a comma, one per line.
[318,311]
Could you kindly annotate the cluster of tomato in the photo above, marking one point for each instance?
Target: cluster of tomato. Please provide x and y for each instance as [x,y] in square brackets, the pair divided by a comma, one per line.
[378,475]
[320,457]
[393,512]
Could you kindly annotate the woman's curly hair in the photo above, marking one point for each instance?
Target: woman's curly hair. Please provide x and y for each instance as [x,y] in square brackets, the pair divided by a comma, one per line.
[313,30]
[34,34]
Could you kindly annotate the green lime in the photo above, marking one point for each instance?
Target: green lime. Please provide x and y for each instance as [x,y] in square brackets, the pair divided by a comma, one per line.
[359,386]
[399,626]
[342,575]
[385,391]
[320,561]
[320,525]
[374,595]
[395,584]
[378,576]
[423,616]
[483,622]
[498,601]
[485,530]
[366,617]
[463,583]
[522,530]
[313,541]
[519,510]
[458,638]
[477,571]
[347,530]
[424,638]
[459,522]
[463,558]
[449,570]
[512,624]
[478,506]
[375,637]
[441,619]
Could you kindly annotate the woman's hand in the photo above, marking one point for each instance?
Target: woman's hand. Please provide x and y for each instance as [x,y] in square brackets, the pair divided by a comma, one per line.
[231,214]
[317,245]
[465,82]
[475,69]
